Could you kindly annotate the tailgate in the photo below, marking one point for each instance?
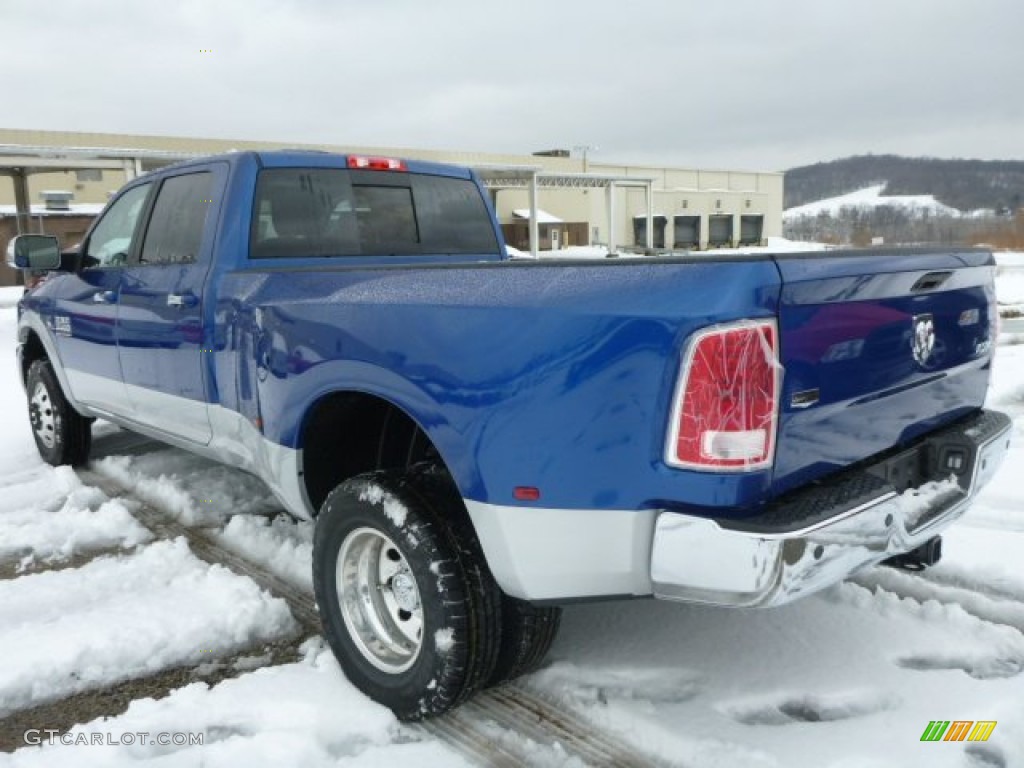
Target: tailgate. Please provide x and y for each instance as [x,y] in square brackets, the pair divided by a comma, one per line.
[878,348]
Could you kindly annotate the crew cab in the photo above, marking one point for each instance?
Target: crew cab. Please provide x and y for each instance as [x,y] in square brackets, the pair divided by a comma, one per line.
[481,439]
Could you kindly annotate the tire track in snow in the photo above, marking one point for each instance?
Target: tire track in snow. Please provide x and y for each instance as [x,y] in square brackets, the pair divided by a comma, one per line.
[542,723]
[13,568]
[206,548]
[489,730]
[994,523]
[113,700]
[970,582]
[987,605]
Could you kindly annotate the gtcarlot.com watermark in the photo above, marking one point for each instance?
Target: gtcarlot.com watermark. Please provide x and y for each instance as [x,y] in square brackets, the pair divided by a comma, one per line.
[52,736]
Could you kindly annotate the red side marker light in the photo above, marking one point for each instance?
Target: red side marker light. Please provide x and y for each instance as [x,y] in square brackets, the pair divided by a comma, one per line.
[526,493]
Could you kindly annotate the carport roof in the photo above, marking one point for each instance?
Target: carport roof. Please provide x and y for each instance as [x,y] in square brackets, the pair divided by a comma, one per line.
[519,176]
[543,217]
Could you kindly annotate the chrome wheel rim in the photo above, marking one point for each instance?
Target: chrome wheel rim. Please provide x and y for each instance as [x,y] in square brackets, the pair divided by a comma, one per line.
[380,600]
[40,411]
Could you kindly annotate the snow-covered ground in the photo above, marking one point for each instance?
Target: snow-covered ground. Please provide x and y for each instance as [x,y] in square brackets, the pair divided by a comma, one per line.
[1010,284]
[872,197]
[40,209]
[850,677]
[773,245]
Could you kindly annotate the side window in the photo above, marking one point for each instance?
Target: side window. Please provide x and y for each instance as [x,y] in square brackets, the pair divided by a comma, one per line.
[175,229]
[111,240]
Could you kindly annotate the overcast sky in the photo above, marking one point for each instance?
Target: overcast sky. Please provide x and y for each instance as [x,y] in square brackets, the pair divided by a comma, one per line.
[766,84]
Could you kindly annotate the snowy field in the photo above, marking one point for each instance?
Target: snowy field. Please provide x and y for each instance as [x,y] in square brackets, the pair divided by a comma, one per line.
[848,678]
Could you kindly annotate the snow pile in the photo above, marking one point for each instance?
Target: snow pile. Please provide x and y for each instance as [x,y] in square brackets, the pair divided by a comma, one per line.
[775,245]
[162,491]
[914,503]
[303,714]
[1009,261]
[1010,280]
[10,295]
[282,545]
[196,490]
[86,522]
[117,618]
[869,198]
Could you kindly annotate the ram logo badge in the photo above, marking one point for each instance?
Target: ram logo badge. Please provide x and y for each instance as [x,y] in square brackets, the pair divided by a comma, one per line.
[923,340]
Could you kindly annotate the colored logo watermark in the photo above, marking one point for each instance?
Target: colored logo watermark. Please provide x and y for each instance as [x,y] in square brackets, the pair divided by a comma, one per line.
[959,730]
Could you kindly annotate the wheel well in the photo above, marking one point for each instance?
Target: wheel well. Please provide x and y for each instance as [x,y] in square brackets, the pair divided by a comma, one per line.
[349,433]
[31,351]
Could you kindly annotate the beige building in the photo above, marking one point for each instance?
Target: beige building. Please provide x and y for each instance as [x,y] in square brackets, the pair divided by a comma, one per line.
[692,208]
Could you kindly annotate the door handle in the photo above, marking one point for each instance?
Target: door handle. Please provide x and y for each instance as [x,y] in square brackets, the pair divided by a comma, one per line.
[103,297]
[181,300]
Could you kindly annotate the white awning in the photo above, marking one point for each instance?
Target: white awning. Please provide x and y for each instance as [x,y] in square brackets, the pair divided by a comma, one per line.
[543,217]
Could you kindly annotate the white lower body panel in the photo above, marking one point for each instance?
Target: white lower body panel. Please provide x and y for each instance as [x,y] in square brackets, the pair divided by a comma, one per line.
[551,554]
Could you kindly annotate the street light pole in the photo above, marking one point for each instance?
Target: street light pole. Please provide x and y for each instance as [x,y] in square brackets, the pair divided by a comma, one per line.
[583,149]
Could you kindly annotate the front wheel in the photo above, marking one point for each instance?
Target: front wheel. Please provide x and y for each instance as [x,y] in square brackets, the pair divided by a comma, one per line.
[400,610]
[62,435]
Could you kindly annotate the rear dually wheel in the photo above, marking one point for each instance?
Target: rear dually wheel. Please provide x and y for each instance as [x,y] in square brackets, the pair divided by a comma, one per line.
[405,617]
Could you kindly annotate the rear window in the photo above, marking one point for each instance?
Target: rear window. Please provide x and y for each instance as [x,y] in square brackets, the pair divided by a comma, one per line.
[337,212]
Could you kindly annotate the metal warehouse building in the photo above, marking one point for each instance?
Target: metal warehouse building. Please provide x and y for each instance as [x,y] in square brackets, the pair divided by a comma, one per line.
[65,176]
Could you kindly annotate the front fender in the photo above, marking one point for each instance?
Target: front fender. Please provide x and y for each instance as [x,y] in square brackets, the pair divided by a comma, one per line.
[29,324]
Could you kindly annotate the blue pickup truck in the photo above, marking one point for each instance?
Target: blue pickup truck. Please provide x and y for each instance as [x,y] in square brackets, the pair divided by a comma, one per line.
[482,439]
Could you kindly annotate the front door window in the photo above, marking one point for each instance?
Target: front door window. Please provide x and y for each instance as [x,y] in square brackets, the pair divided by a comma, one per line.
[111,239]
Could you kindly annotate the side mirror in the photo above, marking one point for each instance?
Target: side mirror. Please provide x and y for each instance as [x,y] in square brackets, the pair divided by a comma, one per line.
[38,252]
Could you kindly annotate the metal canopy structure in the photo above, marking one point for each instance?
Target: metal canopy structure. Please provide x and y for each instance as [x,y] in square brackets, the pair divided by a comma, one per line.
[534,178]
[20,161]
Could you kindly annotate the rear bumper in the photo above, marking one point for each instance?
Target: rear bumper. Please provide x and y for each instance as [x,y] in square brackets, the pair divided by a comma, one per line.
[818,536]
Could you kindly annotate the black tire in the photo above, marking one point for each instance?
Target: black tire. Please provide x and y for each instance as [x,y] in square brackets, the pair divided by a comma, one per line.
[527,632]
[384,516]
[62,435]
[436,486]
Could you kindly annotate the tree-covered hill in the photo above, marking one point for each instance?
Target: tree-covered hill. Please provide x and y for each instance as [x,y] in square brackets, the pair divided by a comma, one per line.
[964,184]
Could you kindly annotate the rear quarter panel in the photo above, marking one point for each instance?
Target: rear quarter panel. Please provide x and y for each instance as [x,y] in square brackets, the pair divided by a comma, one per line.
[552,376]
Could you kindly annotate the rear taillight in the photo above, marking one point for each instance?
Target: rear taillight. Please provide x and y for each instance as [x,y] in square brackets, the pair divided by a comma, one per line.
[727,398]
[376,163]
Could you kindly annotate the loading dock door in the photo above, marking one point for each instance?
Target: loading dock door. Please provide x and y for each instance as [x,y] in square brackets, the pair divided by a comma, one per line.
[686,232]
[751,230]
[720,231]
[640,231]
